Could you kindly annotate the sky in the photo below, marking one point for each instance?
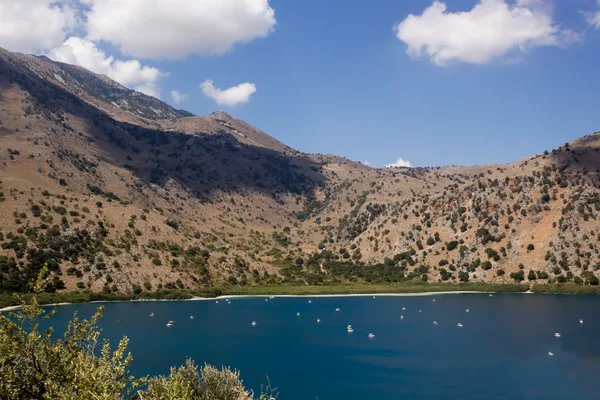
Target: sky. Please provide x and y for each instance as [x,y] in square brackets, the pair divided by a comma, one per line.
[385,82]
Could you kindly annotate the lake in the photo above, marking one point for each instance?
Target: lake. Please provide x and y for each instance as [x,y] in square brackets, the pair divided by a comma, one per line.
[500,352]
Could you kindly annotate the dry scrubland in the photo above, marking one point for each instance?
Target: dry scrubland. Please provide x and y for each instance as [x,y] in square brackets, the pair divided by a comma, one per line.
[118,193]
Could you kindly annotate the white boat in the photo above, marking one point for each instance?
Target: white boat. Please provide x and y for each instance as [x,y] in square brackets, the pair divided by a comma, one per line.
[467,310]
[350,330]
[272,297]
[550,353]
[491,295]
[420,311]
[318,320]
[581,321]
[169,324]
[403,308]
[337,309]
[557,334]
[253,323]
[402,317]
[349,327]
[297,314]
[191,317]
[435,323]
[310,301]
[217,301]
[460,325]
[371,336]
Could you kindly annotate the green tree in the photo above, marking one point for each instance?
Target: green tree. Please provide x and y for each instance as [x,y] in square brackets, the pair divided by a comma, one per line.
[35,367]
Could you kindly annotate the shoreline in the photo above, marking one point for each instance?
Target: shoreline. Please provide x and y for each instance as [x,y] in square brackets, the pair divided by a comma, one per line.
[242,296]
[8,303]
[415,294]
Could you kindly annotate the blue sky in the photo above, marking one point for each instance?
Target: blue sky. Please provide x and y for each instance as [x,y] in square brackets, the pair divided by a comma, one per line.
[336,76]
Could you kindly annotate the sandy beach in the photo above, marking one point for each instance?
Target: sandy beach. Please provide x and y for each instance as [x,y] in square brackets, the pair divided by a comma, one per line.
[337,295]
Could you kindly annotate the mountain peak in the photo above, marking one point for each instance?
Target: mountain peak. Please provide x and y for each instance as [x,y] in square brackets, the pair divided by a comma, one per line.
[222,115]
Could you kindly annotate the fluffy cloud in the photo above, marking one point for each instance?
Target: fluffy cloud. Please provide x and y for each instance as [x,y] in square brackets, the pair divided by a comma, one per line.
[128,73]
[177,28]
[593,18]
[367,163]
[399,163]
[178,97]
[229,97]
[34,25]
[491,29]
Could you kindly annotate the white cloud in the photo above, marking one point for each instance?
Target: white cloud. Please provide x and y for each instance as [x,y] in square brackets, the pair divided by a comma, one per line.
[229,97]
[491,29]
[129,73]
[178,97]
[399,163]
[34,25]
[593,18]
[177,28]
[366,163]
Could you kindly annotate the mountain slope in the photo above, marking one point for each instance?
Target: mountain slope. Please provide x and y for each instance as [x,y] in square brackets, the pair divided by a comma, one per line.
[117,191]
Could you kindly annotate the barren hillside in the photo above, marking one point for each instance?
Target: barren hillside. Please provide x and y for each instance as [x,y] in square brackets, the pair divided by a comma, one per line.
[114,190]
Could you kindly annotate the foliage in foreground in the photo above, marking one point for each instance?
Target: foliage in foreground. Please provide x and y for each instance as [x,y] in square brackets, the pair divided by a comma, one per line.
[77,366]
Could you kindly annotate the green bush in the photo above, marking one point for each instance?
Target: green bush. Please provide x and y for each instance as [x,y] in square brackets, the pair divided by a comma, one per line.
[35,366]
[486,265]
[451,245]
[518,276]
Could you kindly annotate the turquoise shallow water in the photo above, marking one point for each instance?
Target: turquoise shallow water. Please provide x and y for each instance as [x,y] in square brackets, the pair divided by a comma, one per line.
[501,352]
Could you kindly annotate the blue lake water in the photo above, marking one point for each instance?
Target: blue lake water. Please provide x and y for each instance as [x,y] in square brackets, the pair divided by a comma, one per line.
[501,352]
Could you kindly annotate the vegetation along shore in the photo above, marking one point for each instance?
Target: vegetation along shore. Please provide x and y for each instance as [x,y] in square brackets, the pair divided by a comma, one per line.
[7,300]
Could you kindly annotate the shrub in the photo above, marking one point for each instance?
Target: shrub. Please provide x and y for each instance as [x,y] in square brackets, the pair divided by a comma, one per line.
[518,276]
[486,265]
[451,245]
[172,224]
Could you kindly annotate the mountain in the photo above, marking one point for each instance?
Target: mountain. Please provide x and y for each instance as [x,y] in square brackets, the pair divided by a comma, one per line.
[117,191]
